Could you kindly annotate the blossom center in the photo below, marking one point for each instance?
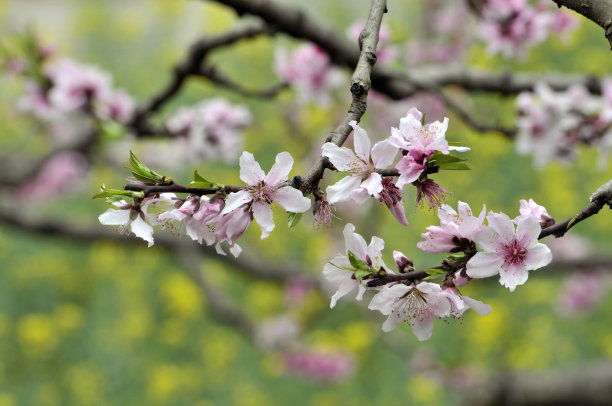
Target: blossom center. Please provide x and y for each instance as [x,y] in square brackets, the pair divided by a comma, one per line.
[262,192]
[412,307]
[514,254]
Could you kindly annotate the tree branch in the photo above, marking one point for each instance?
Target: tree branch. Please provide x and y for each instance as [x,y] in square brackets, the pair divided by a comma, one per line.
[586,385]
[360,85]
[598,11]
[191,66]
[601,197]
[211,73]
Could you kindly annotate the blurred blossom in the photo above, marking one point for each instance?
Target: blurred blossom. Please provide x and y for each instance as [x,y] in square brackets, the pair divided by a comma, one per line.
[583,292]
[309,71]
[212,129]
[320,366]
[512,27]
[296,290]
[385,53]
[570,247]
[276,332]
[443,35]
[63,172]
[117,106]
[551,124]
[75,85]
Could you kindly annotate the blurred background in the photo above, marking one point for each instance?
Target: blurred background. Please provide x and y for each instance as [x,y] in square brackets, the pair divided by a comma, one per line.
[90,318]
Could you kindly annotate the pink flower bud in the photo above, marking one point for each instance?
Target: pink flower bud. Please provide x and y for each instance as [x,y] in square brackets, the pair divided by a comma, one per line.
[402,261]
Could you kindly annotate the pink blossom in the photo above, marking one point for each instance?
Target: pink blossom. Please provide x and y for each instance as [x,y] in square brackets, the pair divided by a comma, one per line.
[184,216]
[532,209]
[391,195]
[418,305]
[76,85]
[459,303]
[309,71]
[402,262]
[132,217]
[344,280]
[320,365]
[36,102]
[296,291]
[363,180]
[582,292]
[118,106]
[322,212]
[510,27]
[262,190]
[232,225]
[456,230]
[509,252]
[62,172]
[213,129]
[420,141]
[552,123]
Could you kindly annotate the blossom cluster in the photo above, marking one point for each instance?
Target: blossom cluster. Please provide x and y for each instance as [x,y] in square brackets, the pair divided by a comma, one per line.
[414,141]
[505,247]
[510,27]
[212,129]
[220,218]
[417,304]
[551,124]
[69,86]
[309,71]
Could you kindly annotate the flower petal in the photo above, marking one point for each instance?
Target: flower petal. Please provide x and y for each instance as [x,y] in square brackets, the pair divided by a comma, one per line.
[280,170]
[409,171]
[399,213]
[142,230]
[528,230]
[250,171]
[392,321]
[354,242]
[235,200]
[512,276]
[503,226]
[342,158]
[342,189]
[263,216]
[373,184]
[291,199]
[484,264]
[383,154]
[479,307]
[537,257]
[423,327]
[361,141]
[112,217]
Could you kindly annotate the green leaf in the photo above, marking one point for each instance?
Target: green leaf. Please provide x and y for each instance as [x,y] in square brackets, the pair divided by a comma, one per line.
[294,219]
[434,273]
[441,159]
[572,221]
[357,263]
[344,268]
[200,185]
[455,166]
[142,172]
[362,273]
[111,192]
[200,182]
[457,256]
